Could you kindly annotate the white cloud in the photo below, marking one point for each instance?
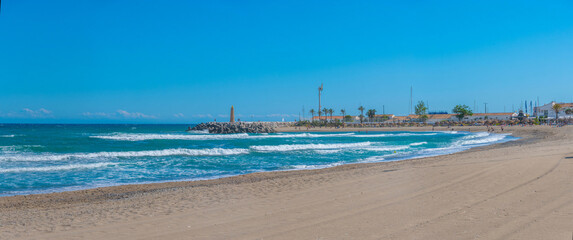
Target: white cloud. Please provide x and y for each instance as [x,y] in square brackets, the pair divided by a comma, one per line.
[127,114]
[179,115]
[97,114]
[40,113]
[203,116]
[119,114]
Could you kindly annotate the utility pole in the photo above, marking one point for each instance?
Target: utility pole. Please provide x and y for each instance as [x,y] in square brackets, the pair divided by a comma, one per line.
[383,110]
[319,109]
[303,115]
[485,107]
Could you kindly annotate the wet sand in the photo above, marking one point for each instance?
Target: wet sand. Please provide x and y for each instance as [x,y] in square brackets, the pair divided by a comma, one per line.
[516,190]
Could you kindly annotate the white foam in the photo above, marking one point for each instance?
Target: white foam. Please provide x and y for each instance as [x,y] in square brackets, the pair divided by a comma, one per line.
[327,151]
[394,135]
[14,148]
[309,167]
[387,148]
[143,136]
[8,136]
[54,168]
[450,132]
[481,140]
[152,153]
[418,143]
[297,147]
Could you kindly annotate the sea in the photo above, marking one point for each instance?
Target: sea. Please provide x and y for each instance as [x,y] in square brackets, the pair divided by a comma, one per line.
[45,158]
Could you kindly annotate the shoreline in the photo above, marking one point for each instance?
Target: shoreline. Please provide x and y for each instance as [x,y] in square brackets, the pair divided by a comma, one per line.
[137,194]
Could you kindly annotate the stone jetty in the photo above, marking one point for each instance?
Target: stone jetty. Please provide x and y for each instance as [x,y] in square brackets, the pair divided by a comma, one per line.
[237,127]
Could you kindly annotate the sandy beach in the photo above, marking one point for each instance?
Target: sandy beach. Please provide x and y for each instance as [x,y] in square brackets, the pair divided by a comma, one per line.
[515,190]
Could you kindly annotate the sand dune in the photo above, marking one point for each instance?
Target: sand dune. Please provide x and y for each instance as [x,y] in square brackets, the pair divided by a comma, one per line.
[516,190]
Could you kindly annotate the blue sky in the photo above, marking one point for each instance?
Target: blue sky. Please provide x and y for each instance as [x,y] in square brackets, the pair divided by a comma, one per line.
[189,61]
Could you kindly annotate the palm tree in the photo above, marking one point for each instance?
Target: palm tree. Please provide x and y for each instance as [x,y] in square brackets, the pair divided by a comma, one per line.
[361,109]
[312,112]
[556,107]
[325,111]
[371,113]
[343,113]
[330,111]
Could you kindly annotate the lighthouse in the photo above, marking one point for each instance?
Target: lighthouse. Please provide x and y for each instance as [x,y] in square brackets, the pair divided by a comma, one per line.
[232,114]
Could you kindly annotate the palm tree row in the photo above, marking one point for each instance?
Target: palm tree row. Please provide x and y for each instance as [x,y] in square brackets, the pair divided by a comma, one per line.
[371,113]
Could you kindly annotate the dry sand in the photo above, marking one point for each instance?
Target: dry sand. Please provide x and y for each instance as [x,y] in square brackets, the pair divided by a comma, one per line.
[516,190]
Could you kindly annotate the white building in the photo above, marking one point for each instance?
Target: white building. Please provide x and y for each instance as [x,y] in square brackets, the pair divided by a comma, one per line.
[548,112]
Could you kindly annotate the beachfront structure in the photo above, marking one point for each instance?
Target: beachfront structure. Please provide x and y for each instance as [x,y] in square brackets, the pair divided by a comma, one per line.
[436,118]
[490,116]
[381,117]
[548,112]
[432,118]
[334,118]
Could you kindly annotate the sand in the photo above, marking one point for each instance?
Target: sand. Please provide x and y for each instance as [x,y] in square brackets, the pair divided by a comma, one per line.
[516,190]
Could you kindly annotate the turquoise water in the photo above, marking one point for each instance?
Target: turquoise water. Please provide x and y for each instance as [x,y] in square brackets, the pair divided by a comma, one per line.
[52,158]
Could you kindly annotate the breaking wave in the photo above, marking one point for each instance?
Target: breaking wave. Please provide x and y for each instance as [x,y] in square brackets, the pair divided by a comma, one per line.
[297,147]
[54,168]
[143,137]
[153,153]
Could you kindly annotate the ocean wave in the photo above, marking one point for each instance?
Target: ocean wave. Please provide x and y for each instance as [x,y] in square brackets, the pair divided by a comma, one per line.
[482,139]
[55,168]
[143,136]
[327,151]
[418,143]
[14,148]
[386,148]
[8,136]
[310,167]
[297,147]
[394,135]
[152,153]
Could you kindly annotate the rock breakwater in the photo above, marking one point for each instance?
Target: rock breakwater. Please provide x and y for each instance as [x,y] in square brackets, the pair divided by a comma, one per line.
[236,127]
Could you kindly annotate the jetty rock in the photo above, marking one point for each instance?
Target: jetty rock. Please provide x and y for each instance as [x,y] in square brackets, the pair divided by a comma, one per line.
[236,127]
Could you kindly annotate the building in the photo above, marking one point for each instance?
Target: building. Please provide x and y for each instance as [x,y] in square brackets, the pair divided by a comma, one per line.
[436,118]
[490,116]
[548,112]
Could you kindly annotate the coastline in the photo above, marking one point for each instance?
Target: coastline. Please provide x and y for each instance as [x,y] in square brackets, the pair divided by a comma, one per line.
[87,213]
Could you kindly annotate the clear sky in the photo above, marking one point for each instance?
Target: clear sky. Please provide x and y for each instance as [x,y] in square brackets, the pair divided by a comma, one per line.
[145,61]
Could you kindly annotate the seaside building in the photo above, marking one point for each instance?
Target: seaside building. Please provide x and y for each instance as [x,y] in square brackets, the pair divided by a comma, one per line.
[548,112]
[436,118]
